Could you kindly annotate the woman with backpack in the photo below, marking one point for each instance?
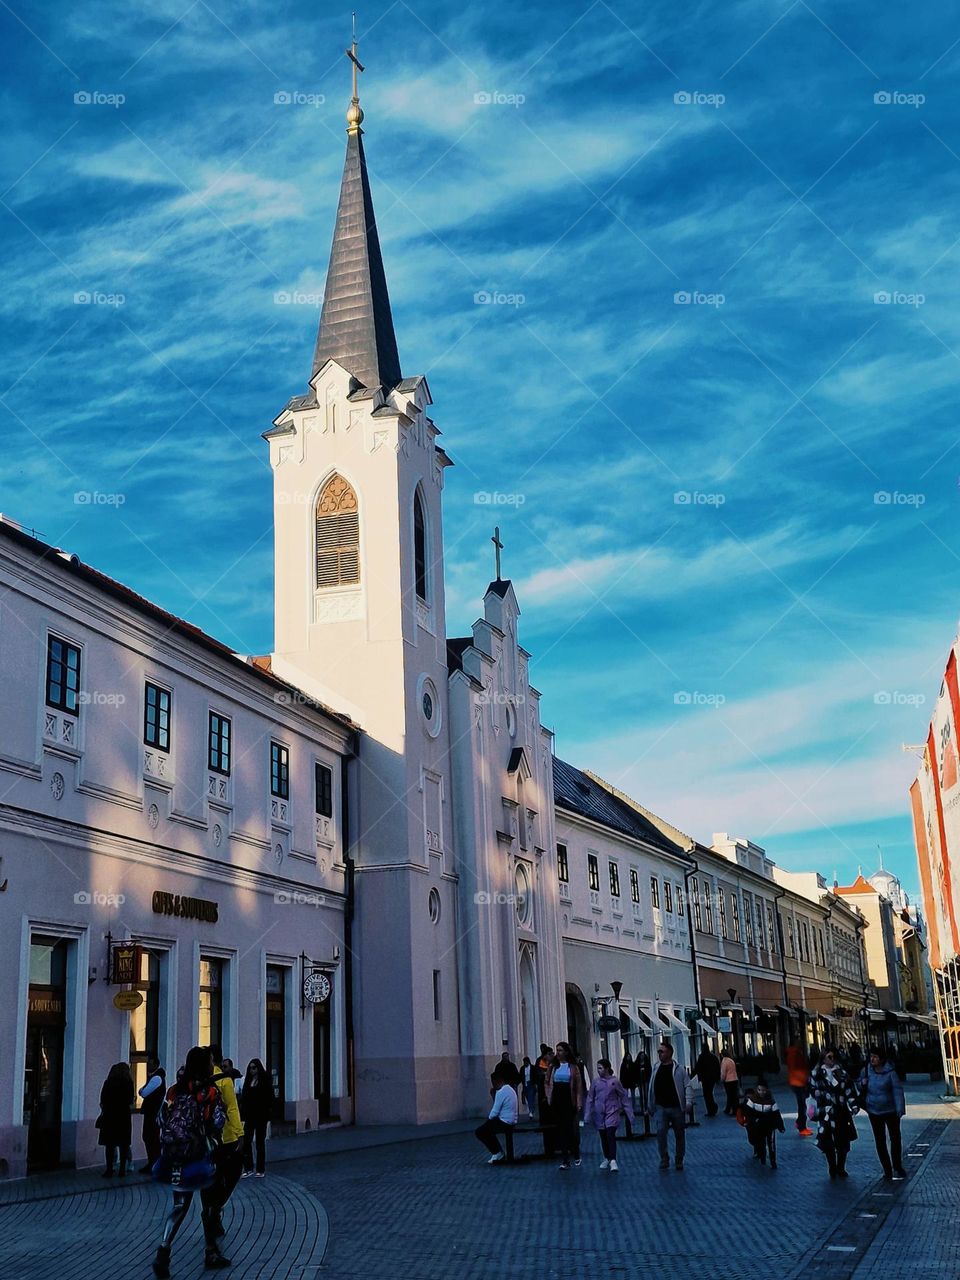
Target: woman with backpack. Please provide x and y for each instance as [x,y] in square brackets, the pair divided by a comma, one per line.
[116,1099]
[191,1122]
[256,1105]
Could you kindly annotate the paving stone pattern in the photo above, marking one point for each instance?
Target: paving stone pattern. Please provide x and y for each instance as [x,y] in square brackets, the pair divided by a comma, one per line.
[432,1209]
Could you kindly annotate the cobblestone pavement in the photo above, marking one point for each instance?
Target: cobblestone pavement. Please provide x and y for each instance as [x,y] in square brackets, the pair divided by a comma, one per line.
[432,1209]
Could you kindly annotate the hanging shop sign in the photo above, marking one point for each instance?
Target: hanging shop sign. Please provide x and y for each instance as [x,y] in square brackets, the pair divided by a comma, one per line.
[176,904]
[608,1023]
[316,987]
[126,963]
[725,1025]
[127,1000]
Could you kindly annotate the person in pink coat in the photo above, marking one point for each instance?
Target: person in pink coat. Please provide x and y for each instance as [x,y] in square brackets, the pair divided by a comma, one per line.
[607,1100]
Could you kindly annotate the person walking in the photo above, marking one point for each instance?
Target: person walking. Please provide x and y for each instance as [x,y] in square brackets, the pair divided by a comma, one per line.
[643,1072]
[228,1157]
[529,1087]
[113,1123]
[192,1119]
[564,1090]
[607,1100]
[730,1079]
[763,1121]
[669,1098]
[628,1078]
[835,1104]
[503,1117]
[541,1068]
[257,1100]
[798,1078]
[706,1069]
[881,1096]
[151,1096]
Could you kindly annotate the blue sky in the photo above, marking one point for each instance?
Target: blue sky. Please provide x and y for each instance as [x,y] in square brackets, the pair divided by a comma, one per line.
[749,660]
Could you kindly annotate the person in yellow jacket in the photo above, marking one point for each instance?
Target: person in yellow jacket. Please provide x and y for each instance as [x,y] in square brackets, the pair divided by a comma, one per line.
[228,1157]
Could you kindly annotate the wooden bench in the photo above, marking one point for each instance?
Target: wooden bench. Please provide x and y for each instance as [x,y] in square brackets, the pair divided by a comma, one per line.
[519,1131]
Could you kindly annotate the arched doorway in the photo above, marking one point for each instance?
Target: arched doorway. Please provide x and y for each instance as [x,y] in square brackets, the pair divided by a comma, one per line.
[529,1021]
[578,1026]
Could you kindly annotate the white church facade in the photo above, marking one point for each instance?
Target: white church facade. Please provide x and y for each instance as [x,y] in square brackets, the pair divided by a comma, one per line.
[345,857]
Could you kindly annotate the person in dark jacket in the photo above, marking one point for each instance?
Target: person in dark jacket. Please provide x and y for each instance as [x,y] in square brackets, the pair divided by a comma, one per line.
[707,1070]
[643,1072]
[152,1095]
[881,1095]
[508,1070]
[628,1078]
[256,1106]
[116,1100]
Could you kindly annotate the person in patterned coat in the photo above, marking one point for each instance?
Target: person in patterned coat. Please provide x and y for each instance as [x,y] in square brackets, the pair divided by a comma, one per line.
[835,1104]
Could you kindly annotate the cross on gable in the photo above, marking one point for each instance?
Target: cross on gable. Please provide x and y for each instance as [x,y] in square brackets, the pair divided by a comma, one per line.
[499,547]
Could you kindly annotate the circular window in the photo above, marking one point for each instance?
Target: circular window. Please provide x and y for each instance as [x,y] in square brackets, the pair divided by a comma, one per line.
[522,882]
[429,704]
[433,906]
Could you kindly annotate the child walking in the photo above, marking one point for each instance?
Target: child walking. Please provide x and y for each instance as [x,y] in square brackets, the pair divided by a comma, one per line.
[607,1099]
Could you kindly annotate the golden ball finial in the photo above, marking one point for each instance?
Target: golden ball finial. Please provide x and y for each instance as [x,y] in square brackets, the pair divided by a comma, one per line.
[354,116]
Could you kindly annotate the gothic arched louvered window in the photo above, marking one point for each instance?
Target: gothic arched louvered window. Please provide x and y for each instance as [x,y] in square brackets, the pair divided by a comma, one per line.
[419,547]
[338,534]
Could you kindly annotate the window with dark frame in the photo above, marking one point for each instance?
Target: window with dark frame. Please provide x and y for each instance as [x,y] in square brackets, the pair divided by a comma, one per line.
[634,885]
[219,743]
[563,865]
[63,675]
[680,907]
[655,892]
[697,913]
[761,938]
[156,717]
[419,547]
[436,995]
[722,911]
[707,906]
[735,914]
[593,872]
[668,897]
[323,778]
[614,880]
[279,771]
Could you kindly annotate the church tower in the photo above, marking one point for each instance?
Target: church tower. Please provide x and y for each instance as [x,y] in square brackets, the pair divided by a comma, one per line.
[359,617]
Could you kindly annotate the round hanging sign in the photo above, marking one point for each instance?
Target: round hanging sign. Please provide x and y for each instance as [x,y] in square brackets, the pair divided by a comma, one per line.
[316,988]
[127,1000]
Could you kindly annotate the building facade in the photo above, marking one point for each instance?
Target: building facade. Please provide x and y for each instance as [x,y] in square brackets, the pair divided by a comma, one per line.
[624,924]
[171,819]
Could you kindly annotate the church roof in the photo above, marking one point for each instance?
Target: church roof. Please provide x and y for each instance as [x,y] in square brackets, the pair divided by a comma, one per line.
[456,645]
[500,587]
[356,324]
[578,793]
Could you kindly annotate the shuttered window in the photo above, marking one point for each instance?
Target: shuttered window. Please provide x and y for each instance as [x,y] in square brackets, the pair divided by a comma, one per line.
[338,534]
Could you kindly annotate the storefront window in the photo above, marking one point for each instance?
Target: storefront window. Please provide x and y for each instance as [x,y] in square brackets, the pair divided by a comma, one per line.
[145,1021]
[211,1001]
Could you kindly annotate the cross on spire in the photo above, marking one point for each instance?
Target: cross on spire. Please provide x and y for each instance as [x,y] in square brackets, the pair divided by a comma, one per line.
[499,547]
[354,113]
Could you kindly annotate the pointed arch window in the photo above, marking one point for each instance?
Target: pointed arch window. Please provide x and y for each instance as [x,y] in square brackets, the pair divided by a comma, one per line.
[419,546]
[338,534]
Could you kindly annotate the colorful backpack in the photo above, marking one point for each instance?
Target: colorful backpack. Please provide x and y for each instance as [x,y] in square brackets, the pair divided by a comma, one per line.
[190,1124]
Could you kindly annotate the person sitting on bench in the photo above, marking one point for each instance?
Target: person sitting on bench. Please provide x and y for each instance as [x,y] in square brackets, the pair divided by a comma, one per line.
[502,1119]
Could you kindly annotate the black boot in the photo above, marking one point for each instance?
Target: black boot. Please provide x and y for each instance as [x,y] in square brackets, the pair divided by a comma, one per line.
[161,1263]
[214,1260]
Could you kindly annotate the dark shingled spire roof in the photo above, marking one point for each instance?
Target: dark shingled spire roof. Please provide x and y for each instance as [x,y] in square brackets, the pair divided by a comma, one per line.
[356,326]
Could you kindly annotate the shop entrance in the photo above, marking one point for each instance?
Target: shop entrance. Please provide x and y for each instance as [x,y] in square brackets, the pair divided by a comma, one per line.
[43,1066]
[321,1058]
[276,1036]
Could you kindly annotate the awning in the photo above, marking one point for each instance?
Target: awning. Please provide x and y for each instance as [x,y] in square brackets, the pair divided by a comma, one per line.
[672,1022]
[645,1023]
[769,1013]
[785,1008]
[827,1017]
[727,1007]
[925,1019]
[899,1017]
[706,1028]
[876,1015]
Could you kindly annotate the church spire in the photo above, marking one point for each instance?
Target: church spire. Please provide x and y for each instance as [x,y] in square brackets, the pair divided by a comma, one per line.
[356,324]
